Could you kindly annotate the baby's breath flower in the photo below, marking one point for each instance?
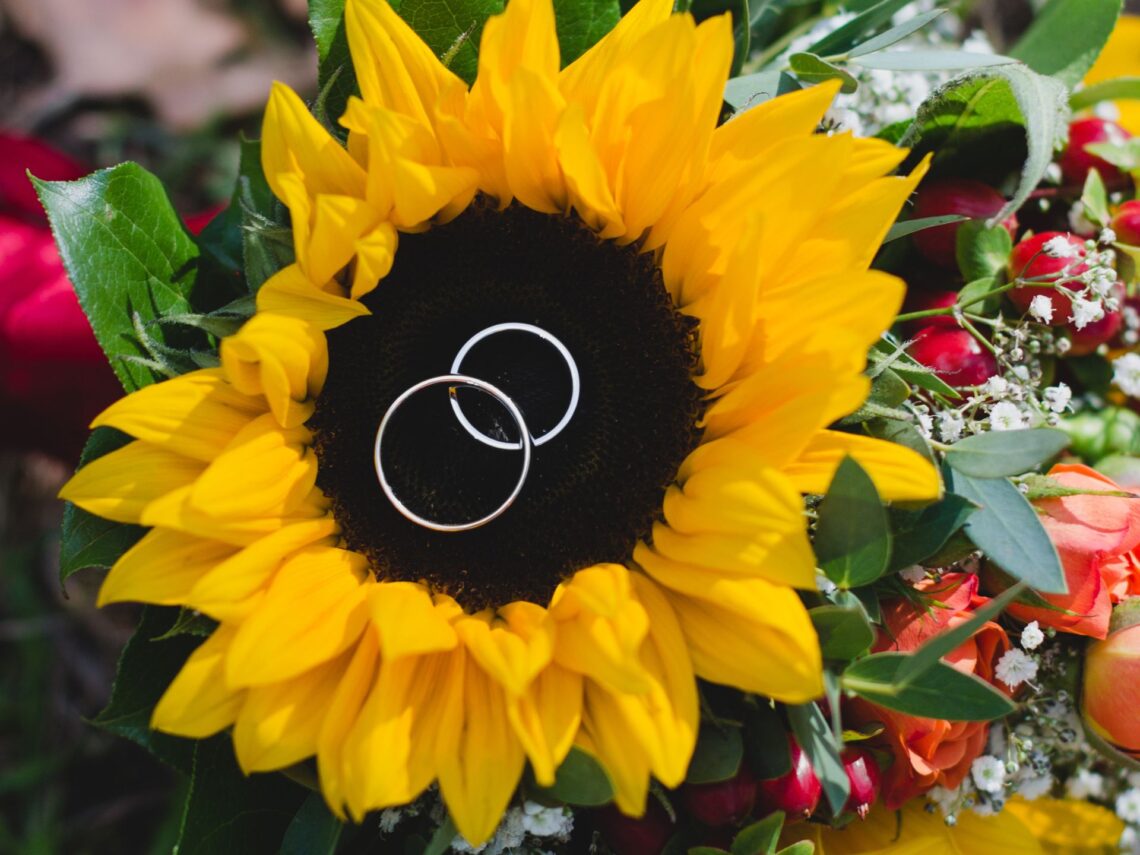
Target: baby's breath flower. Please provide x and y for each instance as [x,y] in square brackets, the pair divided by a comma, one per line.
[1041,308]
[951,424]
[1126,374]
[1006,416]
[1107,235]
[1128,805]
[1086,312]
[988,774]
[995,387]
[1060,247]
[1085,785]
[1057,397]
[542,821]
[1016,667]
[913,574]
[1032,636]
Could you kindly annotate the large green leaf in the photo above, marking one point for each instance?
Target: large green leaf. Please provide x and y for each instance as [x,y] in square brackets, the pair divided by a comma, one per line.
[940,691]
[998,454]
[852,540]
[919,534]
[844,633]
[229,812]
[451,27]
[128,255]
[963,117]
[267,239]
[580,780]
[582,22]
[87,540]
[720,748]
[146,667]
[1066,37]
[1008,530]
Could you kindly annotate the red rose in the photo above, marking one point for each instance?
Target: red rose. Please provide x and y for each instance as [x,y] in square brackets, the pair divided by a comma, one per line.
[933,752]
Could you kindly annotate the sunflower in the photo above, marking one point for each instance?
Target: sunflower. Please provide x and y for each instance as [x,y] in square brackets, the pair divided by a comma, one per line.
[711,286]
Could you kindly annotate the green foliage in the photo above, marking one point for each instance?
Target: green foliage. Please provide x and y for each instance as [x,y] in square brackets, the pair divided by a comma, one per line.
[812,68]
[998,454]
[267,239]
[844,633]
[853,540]
[888,390]
[1066,38]
[741,93]
[1107,90]
[765,740]
[940,691]
[917,535]
[582,22]
[931,60]
[859,29]
[1008,531]
[1094,198]
[822,747]
[983,251]
[313,830]
[129,258]
[760,838]
[720,748]
[229,812]
[905,228]
[335,74]
[580,780]
[148,663]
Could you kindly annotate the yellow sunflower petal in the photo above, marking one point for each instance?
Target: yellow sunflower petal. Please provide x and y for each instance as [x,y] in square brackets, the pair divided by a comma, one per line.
[899,473]
[195,415]
[290,292]
[338,223]
[314,609]
[607,736]
[512,650]
[407,621]
[200,702]
[121,485]
[1069,825]
[529,150]
[375,254]
[546,718]
[479,777]
[279,723]
[162,568]
[600,627]
[586,182]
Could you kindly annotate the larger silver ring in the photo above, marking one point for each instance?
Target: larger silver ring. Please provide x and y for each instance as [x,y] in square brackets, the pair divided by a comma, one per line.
[571,365]
[454,380]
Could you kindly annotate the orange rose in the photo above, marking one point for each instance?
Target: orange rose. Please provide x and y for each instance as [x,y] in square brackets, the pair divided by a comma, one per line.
[933,752]
[1112,685]
[1096,537]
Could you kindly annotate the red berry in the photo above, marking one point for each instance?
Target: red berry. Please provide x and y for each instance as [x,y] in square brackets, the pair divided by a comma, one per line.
[864,776]
[921,301]
[1092,336]
[796,793]
[970,198]
[955,355]
[1126,223]
[1029,260]
[1076,161]
[626,835]
[723,803]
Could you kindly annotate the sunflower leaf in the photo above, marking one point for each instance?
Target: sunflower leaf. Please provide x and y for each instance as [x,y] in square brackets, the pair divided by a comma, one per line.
[581,23]
[267,240]
[940,692]
[1066,38]
[852,540]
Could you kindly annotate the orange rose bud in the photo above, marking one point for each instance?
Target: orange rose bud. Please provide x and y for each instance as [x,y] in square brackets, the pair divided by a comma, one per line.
[1111,692]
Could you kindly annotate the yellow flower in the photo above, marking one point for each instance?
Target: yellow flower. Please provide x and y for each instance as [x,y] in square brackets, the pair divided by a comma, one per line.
[712,286]
[1120,57]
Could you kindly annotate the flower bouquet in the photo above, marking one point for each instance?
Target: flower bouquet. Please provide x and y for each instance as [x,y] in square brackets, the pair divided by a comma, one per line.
[573,437]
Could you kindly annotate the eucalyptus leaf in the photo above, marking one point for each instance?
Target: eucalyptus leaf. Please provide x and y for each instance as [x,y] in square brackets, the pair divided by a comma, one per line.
[819,743]
[1066,37]
[888,391]
[895,34]
[930,60]
[844,633]
[982,251]
[1119,88]
[765,740]
[904,228]
[941,691]
[917,535]
[580,780]
[720,748]
[902,433]
[811,68]
[1008,530]
[998,454]
[853,540]
[859,29]
[742,93]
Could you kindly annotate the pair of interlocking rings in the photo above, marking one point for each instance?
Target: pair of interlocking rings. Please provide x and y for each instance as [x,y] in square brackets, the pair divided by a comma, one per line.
[456,379]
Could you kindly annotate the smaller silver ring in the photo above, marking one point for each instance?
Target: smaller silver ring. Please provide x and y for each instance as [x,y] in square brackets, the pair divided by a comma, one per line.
[495,392]
[571,365]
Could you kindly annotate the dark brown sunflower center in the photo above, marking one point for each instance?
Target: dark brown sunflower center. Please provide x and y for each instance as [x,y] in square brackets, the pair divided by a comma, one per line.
[593,489]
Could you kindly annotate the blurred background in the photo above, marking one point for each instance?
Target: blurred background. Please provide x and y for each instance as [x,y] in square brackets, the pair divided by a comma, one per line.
[85,84]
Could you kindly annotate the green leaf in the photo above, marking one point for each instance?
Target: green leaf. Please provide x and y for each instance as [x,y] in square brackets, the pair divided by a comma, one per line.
[229,812]
[1043,487]
[1066,38]
[1094,197]
[127,253]
[852,540]
[336,77]
[720,748]
[1000,453]
[941,691]
[325,17]
[945,642]
[441,841]
[1119,88]
[902,433]
[982,251]
[844,633]
[905,228]
[267,239]
[582,22]
[920,534]
[822,748]
[930,60]
[811,68]
[976,295]
[760,838]
[864,24]
[895,34]
[146,667]
[803,847]
[888,390]
[1125,155]
[580,780]
[87,540]
[1008,530]
[743,93]
[889,352]
[313,831]
[707,850]
[765,739]
[452,27]
[969,110]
